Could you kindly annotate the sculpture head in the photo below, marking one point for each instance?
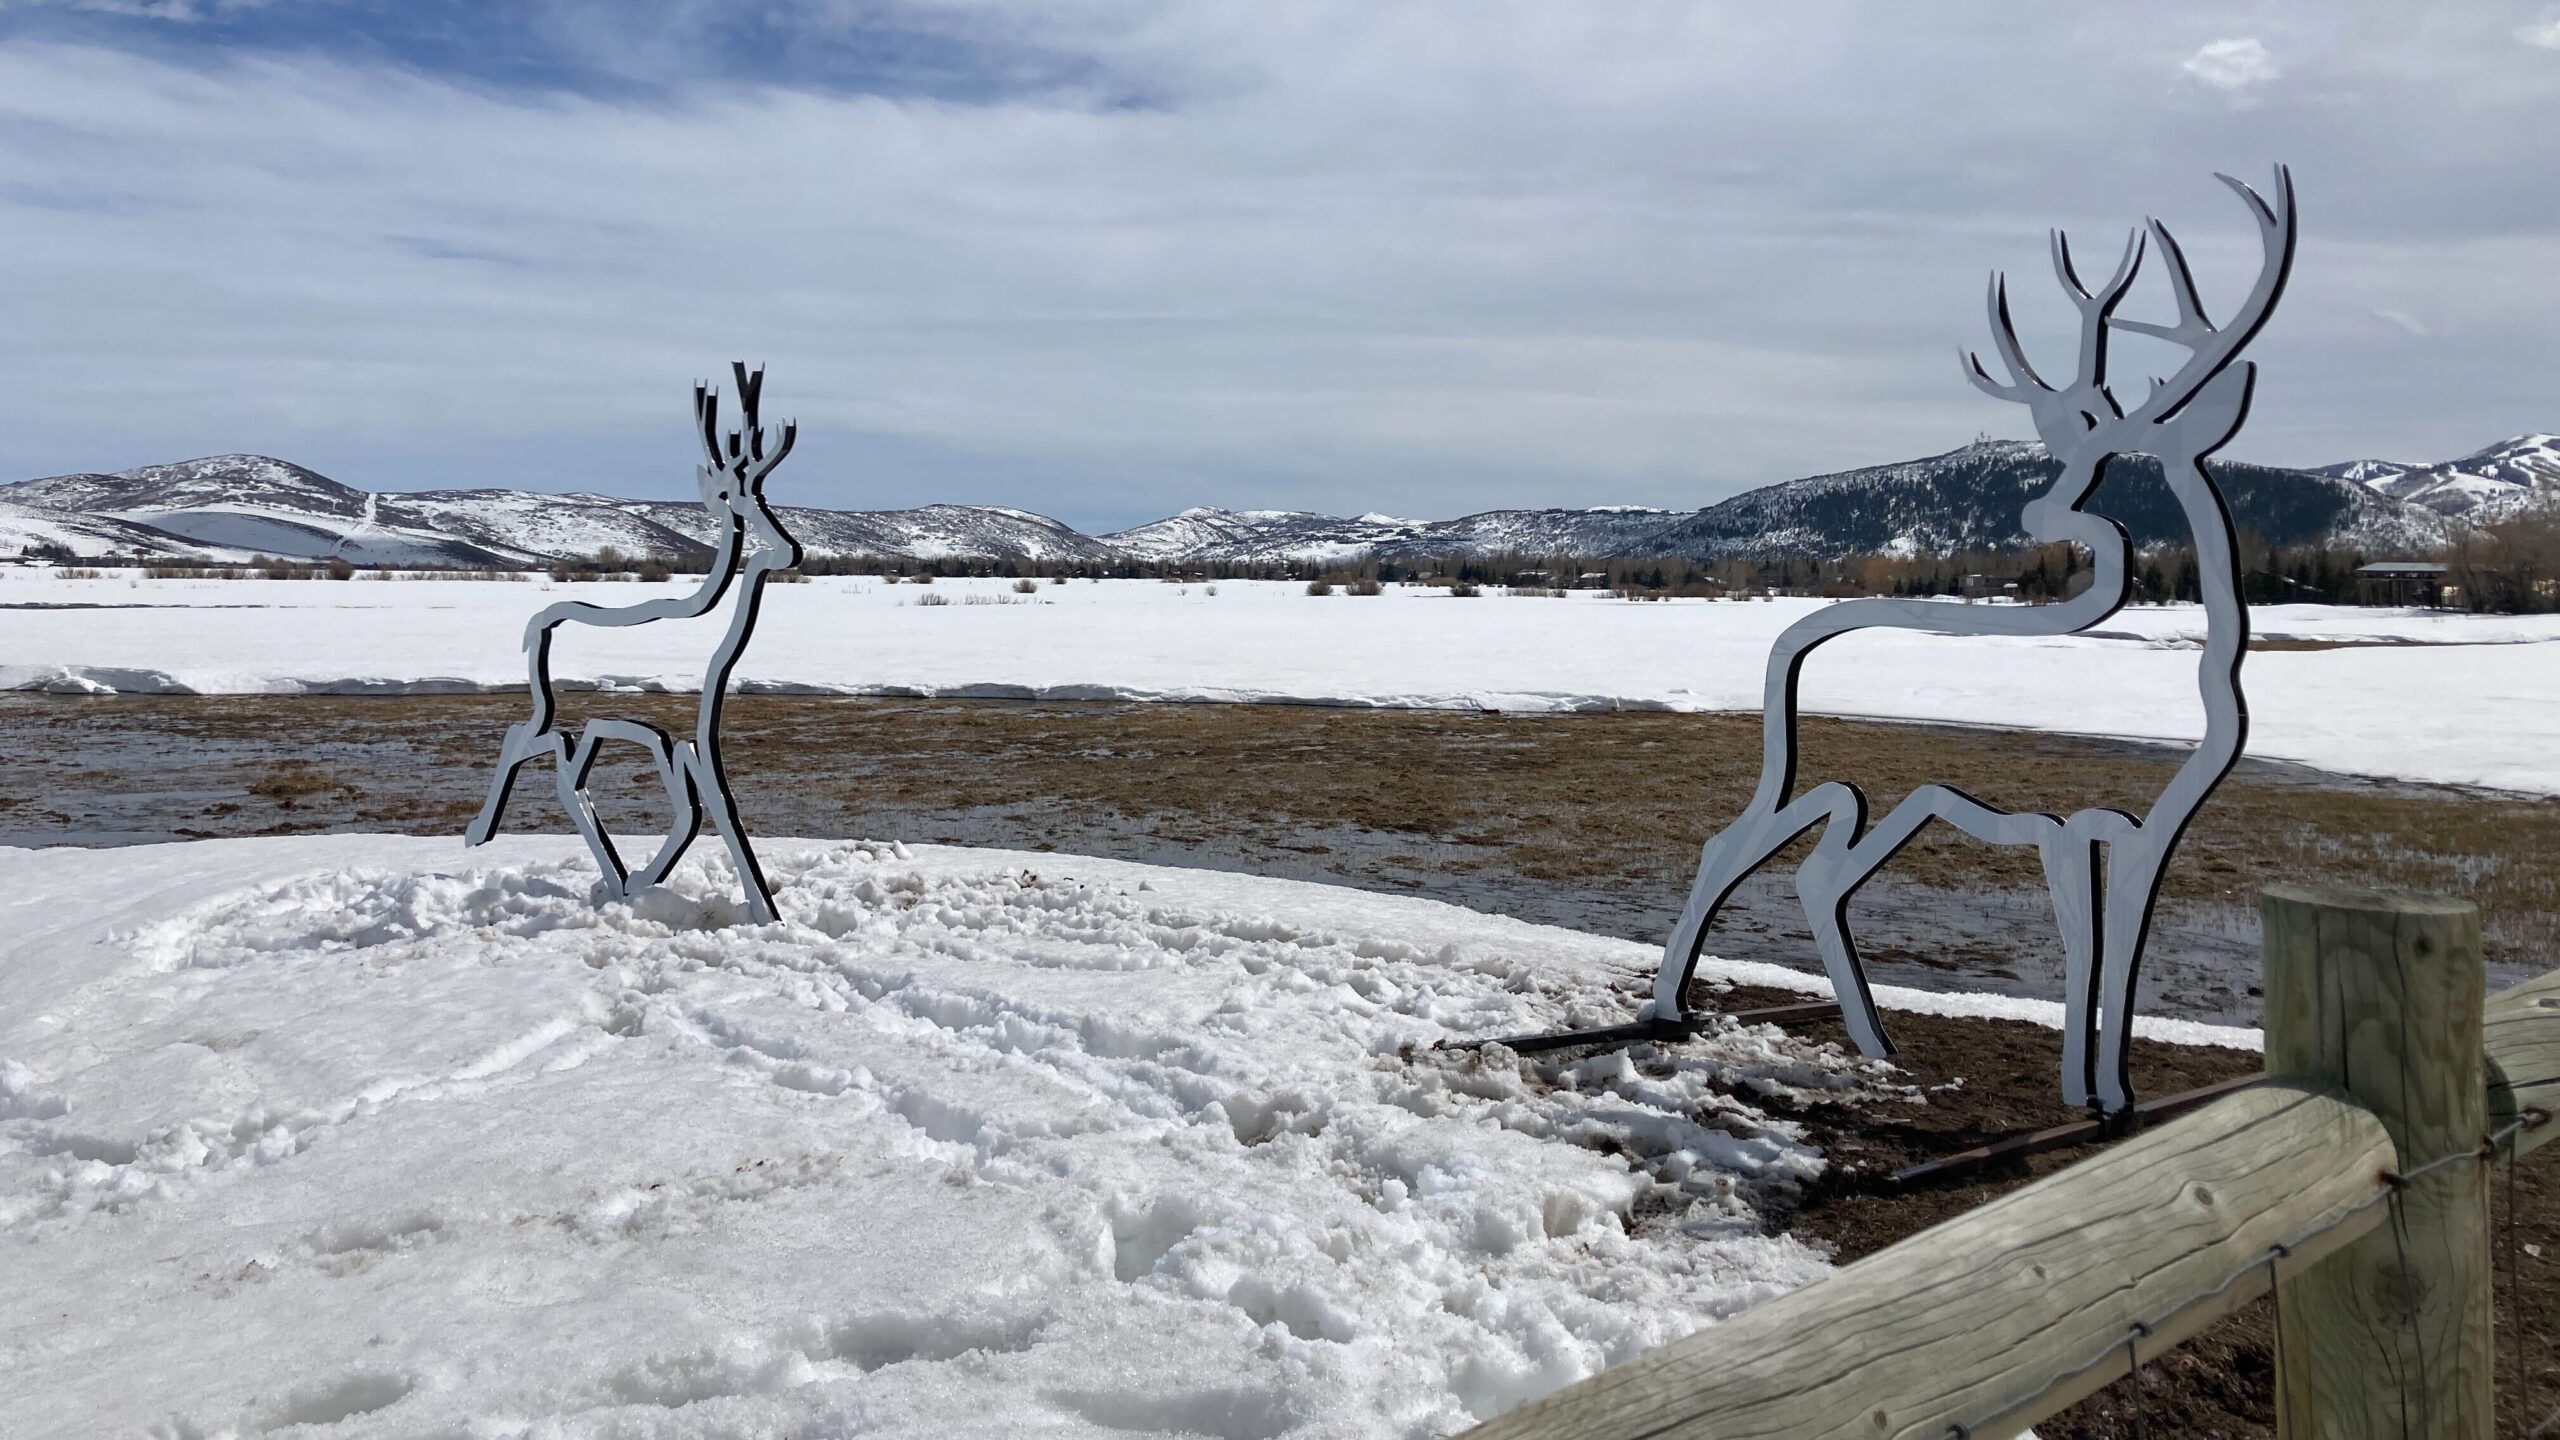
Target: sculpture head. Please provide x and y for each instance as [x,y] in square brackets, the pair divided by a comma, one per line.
[2191,413]
[735,466]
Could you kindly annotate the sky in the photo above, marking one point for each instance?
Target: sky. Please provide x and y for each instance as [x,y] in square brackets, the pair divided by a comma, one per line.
[1112,259]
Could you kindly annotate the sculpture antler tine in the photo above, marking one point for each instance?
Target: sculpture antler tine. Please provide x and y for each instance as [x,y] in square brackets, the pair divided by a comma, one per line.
[2096,310]
[750,390]
[2059,240]
[2269,217]
[2192,325]
[1982,380]
[706,412]
[2215,348]
[2117,284]
[2004,337]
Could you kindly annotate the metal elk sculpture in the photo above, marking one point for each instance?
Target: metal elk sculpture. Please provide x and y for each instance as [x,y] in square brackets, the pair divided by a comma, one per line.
[2101,866]
[749,544]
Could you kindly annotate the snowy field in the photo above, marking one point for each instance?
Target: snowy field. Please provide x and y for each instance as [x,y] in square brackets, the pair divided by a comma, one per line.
[2416,695]
[364,1136]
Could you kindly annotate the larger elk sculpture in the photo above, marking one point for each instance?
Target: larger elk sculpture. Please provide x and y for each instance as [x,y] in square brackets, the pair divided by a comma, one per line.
[2101,866]
[748,545]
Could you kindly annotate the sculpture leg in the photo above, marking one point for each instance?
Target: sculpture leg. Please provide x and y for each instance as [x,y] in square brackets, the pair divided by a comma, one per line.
[2132,875]
[684,820]
[525,741]
[1845,859]
[2071,877]
[1723,863]
[570,774]
[711,782]
[1824,883]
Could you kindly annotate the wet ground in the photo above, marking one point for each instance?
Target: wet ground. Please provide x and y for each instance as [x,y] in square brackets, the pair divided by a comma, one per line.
[1587,821]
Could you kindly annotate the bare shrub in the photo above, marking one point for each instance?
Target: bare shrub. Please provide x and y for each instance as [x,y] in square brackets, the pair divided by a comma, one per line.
[1319,587]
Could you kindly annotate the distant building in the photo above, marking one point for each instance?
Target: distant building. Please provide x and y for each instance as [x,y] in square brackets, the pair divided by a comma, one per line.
[2402,582]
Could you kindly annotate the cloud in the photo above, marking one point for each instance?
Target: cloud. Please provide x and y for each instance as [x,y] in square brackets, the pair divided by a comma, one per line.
[2543,33]
[2405,322]
[1428,258]
[2232,65]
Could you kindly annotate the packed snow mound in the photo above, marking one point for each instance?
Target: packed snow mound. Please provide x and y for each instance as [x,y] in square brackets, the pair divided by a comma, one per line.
[366,1135]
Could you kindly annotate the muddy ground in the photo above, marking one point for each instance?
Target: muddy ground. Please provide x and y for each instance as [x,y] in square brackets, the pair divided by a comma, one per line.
[2218,1386]
[1590,821]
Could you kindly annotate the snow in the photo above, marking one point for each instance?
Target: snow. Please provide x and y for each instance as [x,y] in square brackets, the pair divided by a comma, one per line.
[2487,485]
[85,536]
[2418,695]
[375,1136]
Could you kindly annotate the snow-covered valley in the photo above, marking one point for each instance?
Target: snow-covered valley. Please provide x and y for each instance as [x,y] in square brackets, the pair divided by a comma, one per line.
[2406,694]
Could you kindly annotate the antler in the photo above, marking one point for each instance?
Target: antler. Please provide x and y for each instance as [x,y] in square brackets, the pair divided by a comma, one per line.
[743,455]
[2072,409]
[2066,413]
[2213,349]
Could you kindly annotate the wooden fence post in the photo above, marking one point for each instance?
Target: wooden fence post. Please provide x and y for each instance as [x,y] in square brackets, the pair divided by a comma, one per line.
[2381,994]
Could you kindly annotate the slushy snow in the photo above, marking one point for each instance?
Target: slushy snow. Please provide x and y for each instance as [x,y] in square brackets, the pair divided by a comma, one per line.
[372,1136]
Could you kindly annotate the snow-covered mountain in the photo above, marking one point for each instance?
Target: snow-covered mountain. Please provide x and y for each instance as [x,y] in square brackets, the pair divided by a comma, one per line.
[225,507]
[230,506]
[2485,485]
[930,532]
[1970,499]
[2364,472]
[539,527]
[28,527]
[1204,533]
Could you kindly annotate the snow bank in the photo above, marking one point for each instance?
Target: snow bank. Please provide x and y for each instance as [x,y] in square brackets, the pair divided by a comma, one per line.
[2346,709]
[372,1137]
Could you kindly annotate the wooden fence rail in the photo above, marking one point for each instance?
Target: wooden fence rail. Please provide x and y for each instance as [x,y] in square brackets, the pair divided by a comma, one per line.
[1984,1325]
[2522,1038]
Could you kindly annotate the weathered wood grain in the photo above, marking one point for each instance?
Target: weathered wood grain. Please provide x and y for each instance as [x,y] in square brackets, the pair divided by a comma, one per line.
[2522,1039]
[1973,1323]
[2381,995]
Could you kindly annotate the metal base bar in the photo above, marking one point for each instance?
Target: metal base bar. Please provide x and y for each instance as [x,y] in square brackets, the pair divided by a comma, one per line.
[2078,1132]
[1668,1030]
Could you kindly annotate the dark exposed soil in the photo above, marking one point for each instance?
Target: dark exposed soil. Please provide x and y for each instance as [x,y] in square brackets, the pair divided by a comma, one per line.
[2217,1385]
[1590,821]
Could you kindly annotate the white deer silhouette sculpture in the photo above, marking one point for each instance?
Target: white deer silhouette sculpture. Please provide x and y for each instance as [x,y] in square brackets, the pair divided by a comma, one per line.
[2102,866]
[749,544]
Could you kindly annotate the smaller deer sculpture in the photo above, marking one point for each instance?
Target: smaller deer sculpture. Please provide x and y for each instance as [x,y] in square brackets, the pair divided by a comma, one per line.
[748,545]
[2102,866]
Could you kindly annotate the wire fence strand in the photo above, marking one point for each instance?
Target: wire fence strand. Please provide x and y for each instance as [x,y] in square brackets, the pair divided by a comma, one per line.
[2390,1188]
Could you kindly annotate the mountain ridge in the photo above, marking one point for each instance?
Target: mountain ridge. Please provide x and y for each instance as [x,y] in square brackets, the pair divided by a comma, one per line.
[223,508]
